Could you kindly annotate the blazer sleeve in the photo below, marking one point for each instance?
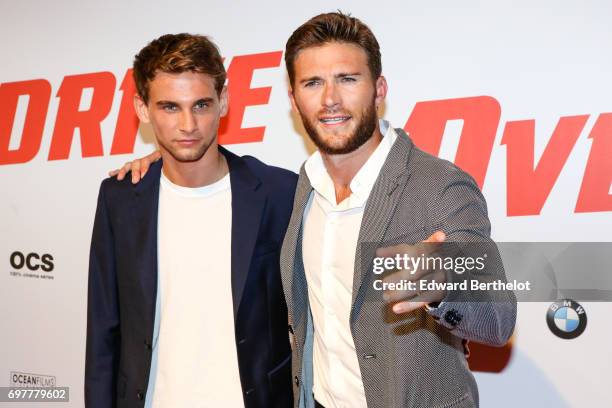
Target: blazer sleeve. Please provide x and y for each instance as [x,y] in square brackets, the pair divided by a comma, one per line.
[460,210]
[103,335]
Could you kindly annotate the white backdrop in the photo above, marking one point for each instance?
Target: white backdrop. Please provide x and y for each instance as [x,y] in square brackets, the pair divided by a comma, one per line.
[536,61]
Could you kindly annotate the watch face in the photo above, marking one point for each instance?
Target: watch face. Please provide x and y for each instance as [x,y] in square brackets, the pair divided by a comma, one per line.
[566,318]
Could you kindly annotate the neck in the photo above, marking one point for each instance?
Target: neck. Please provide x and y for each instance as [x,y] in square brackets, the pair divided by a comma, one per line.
[342,168]
[210,168]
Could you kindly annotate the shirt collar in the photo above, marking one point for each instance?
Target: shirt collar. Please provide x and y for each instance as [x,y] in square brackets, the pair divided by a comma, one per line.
[364,180]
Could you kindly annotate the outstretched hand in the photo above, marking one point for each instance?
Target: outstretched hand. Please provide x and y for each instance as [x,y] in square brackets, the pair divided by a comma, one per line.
[405,301]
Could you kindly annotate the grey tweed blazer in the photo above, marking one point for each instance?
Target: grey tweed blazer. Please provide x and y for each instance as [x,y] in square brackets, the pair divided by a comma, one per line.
[417,359]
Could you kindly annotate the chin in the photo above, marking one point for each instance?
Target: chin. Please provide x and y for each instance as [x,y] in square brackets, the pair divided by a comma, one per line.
[336,142]
[336,146]
[187,157]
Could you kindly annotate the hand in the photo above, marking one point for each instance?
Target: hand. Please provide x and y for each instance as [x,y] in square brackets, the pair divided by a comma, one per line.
[409,300]
[139,167]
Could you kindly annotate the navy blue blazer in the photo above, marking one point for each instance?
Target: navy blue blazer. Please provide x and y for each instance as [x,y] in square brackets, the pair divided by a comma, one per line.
[123,285]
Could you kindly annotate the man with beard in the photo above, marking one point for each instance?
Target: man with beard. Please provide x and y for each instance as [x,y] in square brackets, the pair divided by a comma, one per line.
[185,304]
[368,184]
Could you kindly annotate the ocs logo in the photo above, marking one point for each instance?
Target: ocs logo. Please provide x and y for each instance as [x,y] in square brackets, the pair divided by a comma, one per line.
[566,319]
[32,261]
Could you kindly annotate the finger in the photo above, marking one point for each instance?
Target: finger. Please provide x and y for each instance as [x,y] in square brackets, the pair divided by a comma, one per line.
[424,247]
[403,284]
[409,291]
[406,307]
[429,247]
[113,173]
[431,244]
[427,267]
[419,301]
[438,276]
[135,171]
[415,289]
[145,164]
[123,171]
[438,236]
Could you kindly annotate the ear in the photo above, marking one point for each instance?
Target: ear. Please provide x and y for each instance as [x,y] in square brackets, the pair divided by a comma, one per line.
[292,100]
[381,90]
[223,101]
[141,108]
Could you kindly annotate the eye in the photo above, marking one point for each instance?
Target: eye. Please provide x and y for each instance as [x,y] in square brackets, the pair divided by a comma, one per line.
[170,108]
[312,83]
[201,105]
[348,79]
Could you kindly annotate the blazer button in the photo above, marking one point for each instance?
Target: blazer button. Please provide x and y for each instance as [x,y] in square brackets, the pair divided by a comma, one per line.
[139,395]
[453,317]
[296,380]
[147,345]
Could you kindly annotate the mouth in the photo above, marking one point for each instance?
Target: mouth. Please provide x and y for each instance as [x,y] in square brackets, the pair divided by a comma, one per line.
[334,120]
[187,142]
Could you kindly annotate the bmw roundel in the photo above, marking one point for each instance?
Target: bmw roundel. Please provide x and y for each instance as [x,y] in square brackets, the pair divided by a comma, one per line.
[566,319]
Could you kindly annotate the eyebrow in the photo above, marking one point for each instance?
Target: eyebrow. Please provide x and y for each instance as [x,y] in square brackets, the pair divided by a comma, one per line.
[339,75]
[345,74]
[161,103]
[205,100]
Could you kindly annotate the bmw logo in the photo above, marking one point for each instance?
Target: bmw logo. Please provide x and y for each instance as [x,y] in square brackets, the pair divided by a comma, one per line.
[566,319]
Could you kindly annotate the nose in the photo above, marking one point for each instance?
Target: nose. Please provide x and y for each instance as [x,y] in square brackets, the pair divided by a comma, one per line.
[331,97]
[187,122]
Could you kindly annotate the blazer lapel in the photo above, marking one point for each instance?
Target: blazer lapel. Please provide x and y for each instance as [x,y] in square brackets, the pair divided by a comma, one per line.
[378,213]
[144,208]
[248,202]
[292,263]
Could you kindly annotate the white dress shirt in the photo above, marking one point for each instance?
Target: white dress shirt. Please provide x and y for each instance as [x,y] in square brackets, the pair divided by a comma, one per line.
[330,238]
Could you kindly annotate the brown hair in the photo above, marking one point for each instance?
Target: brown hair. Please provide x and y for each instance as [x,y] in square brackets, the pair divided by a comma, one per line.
[333,27]
[176,53]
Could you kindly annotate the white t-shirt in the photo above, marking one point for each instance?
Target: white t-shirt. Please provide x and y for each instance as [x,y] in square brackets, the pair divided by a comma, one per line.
[194,360]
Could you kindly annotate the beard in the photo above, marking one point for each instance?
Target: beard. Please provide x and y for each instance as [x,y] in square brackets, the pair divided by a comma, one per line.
[363,132]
